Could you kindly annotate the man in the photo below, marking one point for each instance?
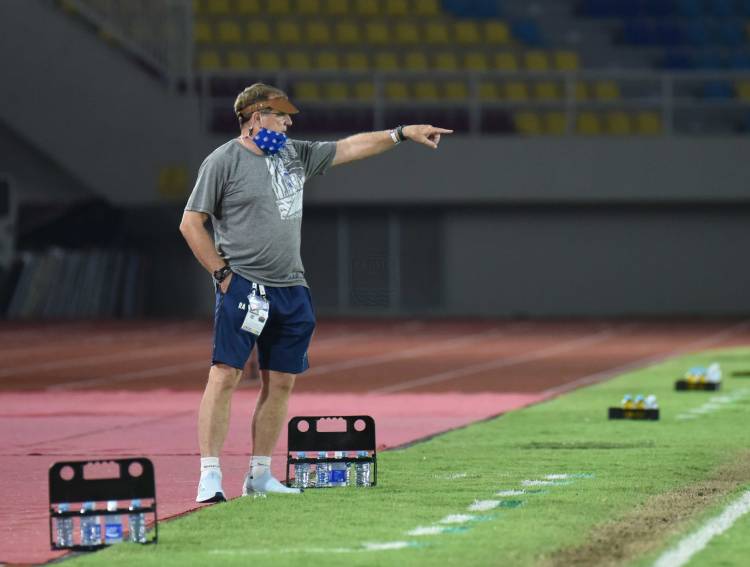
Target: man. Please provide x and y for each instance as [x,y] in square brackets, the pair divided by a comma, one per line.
[252,189]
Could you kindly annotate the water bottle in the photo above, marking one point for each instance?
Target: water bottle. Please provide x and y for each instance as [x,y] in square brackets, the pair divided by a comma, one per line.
[322,478]
[362,470]
[639,402]
[64,527]
[713,374]
[112,525]
[136,523]
[651,402]
[627,402]
[301,472]
[91,527]
[338,471]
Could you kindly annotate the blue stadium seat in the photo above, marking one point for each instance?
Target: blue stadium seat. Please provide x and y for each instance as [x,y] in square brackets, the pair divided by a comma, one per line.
[658,8]
[744,10]
[638,32]
[473,8]
[740,60]
[527,32]
[677,61]
[709,60]
[717,90]
[690,8]
[668,34]
[696,33]
[730,33]
[721,8]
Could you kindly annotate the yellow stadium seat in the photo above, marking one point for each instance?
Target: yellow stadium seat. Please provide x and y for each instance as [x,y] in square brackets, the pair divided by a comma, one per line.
[536,61]
[618,123]
[446,61]
[258,32]
[197,7]
[588,124]
[229,32]
[367,7]
[238,60]
[364,91]
[268,61]
[307,90]
[475,61]
[436,33]
[528,123]
[377,33]
[455,90]
[337,7]
[356,61]
[279,7]
[386,61]
[308,7]
[555,123]
[218,7]
[467,32]
[248,7]
[427,7]
[567,61]
[317,33]
[488,91]
[582,92]
[516,91]
[336,90]
[496,32]
[347,32]
[287,31]
[606,90]
[396,90]
[202,32]
[298,60]
[743,90]
[506,61]
[425,90]
[327,60]
[648,123]
[396,8]
[546,91]
[415,61]
[209,61]
[407,32]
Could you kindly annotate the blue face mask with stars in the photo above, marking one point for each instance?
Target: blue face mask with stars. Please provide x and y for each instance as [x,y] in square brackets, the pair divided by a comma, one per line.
[269,141]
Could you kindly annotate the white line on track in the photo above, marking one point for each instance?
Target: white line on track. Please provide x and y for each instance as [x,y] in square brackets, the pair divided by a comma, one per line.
[131,376]
[696,541]
[502,362]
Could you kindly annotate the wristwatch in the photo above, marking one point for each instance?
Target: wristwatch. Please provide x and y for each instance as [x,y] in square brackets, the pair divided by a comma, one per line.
[221,274]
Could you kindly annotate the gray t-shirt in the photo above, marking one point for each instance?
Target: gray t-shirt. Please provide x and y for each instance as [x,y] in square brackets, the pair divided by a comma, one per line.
[255,203]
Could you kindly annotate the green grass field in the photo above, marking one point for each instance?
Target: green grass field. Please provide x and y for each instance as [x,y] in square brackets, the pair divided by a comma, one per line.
[632,490]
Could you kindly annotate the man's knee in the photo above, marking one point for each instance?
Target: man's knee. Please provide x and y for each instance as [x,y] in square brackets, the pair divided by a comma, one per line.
[279,382]
[224,377]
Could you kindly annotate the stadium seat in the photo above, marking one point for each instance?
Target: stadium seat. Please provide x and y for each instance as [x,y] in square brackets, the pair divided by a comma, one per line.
[217,7]
[415,61]
[606,90]
[496,32]
[566,61]
[455,90]
[475,61]
[426,7]
[229,32]
[347,32]
[488,91]
[648,123]
[426,90]
[446,61]
[202,32]
[407,33]
[396,8]
[209,60]
[527,123]
[742,88]
[467,32]
[288,32]
[386,61]
[617,123]
[317,33]
[356,61]
[516,91]
[506,61]
[582,92]
[327,61]
[527,32]
[308,7]
[364,91]
[536,61]
[546,91]
[396,90]
[588,124]
[238,60]
[555,123]
[336,91]
[307,90]
[279,8]
[248,7]
[717,90]
[268,61]
[337,7]
[436,33]
[258,32]
[377,33]
[298,61]
[367,7]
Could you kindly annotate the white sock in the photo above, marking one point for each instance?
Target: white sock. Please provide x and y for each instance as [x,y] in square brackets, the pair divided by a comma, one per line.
[259,465]
[210,463]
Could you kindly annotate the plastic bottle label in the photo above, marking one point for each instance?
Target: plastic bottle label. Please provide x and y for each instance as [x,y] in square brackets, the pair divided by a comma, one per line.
[113,533]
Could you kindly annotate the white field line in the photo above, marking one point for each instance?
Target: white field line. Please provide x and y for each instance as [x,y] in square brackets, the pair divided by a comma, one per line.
[695,542]
[502,362]
[483,505]
[131,376]
[648,360]
[456,519]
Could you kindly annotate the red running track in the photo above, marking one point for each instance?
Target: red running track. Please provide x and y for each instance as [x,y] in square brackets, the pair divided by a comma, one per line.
[93,390]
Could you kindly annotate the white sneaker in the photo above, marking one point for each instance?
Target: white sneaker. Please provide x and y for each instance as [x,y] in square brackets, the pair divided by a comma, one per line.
[209,487]
[265,483]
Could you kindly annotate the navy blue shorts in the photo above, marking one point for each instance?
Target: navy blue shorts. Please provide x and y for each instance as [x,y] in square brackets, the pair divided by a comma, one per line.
[283,343]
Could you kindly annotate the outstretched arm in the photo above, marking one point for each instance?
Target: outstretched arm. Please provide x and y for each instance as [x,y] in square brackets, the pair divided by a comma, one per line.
[369,144]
